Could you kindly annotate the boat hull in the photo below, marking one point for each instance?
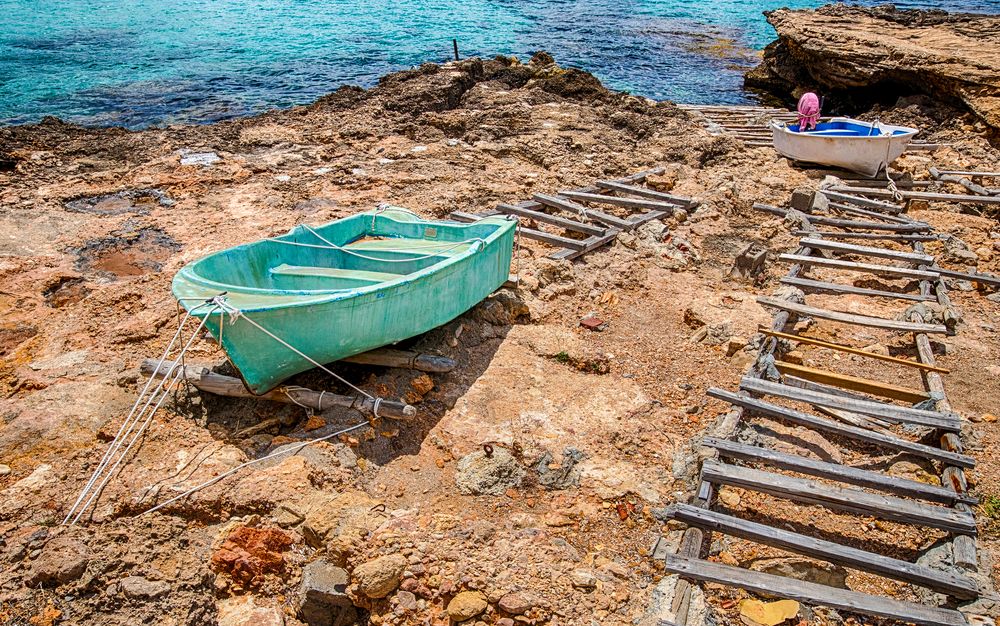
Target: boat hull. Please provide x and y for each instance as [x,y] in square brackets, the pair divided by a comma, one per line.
[331,326]
[844,143]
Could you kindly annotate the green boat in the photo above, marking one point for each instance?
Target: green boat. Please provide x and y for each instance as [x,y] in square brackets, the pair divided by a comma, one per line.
[347,287]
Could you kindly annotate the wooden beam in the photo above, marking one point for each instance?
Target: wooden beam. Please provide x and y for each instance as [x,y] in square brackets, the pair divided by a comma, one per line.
[561,222]
[843,499]
[872,251]
[969,173]
[568,205]
[590,244]
[960,180]
[852,318]
[553,240]
[835,234]
[630,203]
[853,210]
[887,207]
[929,196]
[855,383]
[961,587]
[647,193]
[205,380]
[860,434]
[388,357]
[867,268]
[812,593]
[850,350]
[819,286]
[985,279]
[836,471]
[891,412]
[915,227]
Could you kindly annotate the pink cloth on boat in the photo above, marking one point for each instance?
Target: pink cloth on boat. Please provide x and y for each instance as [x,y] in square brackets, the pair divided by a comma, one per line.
[808,111]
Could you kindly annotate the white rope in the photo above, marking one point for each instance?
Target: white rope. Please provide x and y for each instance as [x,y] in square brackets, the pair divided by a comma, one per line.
[216,479]
[116,442]
[163,390]
[458,244]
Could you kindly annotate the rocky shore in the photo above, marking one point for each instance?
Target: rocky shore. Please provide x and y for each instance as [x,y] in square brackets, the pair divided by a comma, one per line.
[589,433]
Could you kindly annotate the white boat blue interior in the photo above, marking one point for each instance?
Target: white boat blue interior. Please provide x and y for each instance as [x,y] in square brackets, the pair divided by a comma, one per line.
[846,128]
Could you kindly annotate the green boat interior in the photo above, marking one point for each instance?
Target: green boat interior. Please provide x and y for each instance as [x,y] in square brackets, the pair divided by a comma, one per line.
[344,255]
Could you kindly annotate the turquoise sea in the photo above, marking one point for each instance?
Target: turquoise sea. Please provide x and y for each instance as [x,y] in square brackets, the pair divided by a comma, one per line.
[138,63]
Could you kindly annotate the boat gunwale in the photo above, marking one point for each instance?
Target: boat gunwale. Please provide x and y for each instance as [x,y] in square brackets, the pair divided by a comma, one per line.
[909,131]
[324,296]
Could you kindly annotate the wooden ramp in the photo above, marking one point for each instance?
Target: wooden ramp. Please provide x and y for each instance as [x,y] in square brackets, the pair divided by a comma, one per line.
[859,413]
[581,217]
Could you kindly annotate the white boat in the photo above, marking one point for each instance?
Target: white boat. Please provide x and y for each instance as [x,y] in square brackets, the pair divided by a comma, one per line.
[862,147]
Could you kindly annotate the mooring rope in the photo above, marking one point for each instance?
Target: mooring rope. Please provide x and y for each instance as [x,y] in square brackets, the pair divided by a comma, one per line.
[332,246]
[159,394]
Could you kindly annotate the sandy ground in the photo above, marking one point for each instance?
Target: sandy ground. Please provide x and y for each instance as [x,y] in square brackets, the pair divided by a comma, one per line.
[593,430]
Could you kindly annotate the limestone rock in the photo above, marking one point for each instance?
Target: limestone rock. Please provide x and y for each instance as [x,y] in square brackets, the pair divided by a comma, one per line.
[244,611]
[479,473]
[323,590]
[380,577]
[139,588]
[62,560]
[583,579]
[517,603]
[846,51]
[466,605]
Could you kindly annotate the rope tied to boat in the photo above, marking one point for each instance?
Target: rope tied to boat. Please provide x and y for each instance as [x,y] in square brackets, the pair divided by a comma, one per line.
[478,243]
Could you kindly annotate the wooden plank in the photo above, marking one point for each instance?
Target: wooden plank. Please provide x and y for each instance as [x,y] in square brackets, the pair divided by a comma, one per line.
[867,268]
[820,286]
[836,234]
[961,587]
[891,412]
[204,379]
[887,207]
[850,350]
[555,220]
[389,357]
[915,227]
[648,216]
[985,279]
[834,498]
[647,193]
[852,318]
[860,434]
[872,251]
[554,240]
[812,593]
[960,180]
[854,383]
[568,205]
[836,471]
[968,173]
[853,210]
[930,196]
[630,203]
[590,244]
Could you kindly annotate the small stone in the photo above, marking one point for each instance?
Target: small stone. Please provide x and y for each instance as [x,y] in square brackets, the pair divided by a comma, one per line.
[140,588]
[466,605]
[794,357]
[989,417]
[877,348]
[406,601]
[734,345]
[505,621]
[324,589]
[243,611]
[479,473]
[516,603]
[730,498]
[583,579]
[4,470]
[594,323]
[379,577]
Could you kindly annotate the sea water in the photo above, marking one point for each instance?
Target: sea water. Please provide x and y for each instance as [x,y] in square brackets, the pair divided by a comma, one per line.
[138,63]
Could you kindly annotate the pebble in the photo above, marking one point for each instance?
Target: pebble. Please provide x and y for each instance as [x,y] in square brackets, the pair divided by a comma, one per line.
[4,470]
[283,178]
[466,605]
[583,579]
[516,603]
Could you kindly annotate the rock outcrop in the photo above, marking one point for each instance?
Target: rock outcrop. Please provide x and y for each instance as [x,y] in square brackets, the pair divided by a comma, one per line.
[860,55]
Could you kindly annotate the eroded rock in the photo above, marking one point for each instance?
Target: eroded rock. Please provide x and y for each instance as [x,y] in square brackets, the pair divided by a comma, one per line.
[380,577]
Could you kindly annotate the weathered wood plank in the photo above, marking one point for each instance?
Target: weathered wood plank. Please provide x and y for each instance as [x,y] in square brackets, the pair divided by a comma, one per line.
[854,383]
[985,279]
[839,498]
[812,593]
[836,471]
[930,196]
[958,179]
[915,227]
[867,268]
[568,205]
[389,357]
[647,193]
[819,286]
[891,412]
[590,244]
[887,207]
[555,220]
[858,211]
[630,203]
[860,434]
[836,234]
[872,251]
[852,318]
[960,587]
[850,350]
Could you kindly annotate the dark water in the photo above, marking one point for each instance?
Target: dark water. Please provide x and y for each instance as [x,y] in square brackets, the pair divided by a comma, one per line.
[151,62]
